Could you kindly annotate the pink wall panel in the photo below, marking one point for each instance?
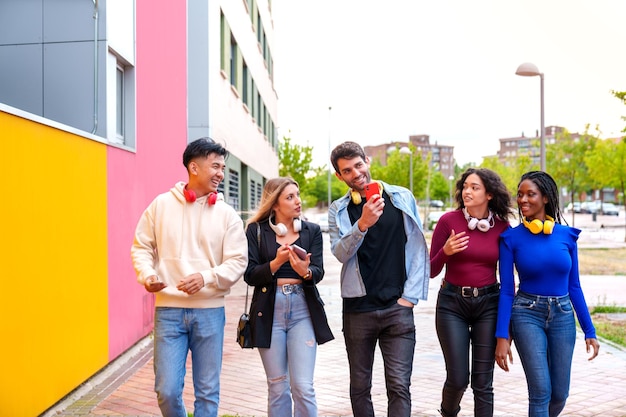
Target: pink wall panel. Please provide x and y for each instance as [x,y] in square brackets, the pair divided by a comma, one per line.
[134,179]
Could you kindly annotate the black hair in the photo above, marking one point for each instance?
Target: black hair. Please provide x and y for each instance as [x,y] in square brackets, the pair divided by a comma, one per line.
[202,148]
[500,203]
[346,150]
[548,188]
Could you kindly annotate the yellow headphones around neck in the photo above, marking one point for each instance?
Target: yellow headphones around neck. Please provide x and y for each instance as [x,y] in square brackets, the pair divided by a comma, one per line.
[537,226]
[356,196]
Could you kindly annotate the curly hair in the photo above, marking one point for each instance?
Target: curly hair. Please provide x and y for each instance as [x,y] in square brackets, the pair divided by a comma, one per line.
[500,203]
[548,188]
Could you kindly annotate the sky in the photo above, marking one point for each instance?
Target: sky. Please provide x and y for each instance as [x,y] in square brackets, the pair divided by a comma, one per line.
[377,71]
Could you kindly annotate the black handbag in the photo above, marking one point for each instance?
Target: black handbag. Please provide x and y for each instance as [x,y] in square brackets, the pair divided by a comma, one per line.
[244,328]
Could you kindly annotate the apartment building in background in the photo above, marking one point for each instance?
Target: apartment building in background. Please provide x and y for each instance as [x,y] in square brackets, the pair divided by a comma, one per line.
[98,99]
[511,148]
[442,156]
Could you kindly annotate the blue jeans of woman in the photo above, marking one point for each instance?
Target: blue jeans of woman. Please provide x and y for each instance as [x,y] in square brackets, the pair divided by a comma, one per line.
[394,330]
[289,362]
[177,331]
[544,333]
[462,322]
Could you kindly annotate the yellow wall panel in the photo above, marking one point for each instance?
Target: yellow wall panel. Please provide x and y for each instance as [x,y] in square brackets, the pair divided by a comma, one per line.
[53,226]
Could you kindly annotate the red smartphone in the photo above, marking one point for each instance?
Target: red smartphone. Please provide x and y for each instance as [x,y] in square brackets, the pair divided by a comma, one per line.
[371,189]
[299,251]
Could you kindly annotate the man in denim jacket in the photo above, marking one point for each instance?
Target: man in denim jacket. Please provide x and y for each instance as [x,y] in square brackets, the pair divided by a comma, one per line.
[386,270]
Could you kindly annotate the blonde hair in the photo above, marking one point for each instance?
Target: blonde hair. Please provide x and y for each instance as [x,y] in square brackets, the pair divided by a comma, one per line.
[272,190]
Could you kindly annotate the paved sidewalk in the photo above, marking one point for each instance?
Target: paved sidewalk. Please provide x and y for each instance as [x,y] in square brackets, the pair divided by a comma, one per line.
[125,388]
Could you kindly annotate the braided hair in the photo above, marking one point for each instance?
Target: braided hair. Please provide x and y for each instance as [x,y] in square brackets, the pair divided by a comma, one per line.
[548,188]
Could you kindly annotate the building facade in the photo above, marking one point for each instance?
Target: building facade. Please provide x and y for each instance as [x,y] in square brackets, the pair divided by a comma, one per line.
[512,148]
[98,100]
[442,156]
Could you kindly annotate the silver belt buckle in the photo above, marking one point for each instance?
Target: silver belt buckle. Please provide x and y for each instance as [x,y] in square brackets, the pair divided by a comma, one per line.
[288,289]
[469,291]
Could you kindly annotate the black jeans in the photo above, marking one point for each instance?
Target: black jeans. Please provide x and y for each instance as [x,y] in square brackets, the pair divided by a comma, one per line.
[459,322]
[394,330]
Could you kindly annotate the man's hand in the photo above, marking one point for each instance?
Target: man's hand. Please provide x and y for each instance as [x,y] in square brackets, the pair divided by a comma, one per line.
[405,303]
[191,284]
[372,210]
[154,284]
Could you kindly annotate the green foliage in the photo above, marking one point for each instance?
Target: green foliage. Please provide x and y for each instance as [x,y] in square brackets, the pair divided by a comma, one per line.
[566,162]
[294,161]
[510,171]
[621,95]
[608,309]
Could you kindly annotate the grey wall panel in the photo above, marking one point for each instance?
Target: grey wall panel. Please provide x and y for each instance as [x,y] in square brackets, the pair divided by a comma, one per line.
[21,21]
[21,77]
[68,85]
[72,20]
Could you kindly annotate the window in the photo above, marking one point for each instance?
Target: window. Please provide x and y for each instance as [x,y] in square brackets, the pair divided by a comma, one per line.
[253,201]
[120,101]
[233,189]
[119,104]
[233,61]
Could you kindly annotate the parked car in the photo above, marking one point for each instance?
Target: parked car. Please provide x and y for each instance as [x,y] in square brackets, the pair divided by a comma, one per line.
[588,207]
[322,220]
[436,203]
[433,218]
[575,207]
[609,209]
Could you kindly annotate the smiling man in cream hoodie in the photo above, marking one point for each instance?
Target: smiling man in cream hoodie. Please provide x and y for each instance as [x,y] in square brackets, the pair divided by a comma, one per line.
[189,250]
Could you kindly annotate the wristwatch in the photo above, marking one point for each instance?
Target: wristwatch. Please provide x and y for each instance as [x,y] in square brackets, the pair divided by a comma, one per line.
[307,275]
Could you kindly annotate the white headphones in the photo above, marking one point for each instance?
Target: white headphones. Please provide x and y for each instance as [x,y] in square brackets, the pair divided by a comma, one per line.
[281,230]
[481,224]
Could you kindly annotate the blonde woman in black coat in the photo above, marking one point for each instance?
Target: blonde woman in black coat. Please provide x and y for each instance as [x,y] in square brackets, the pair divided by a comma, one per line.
[287,314]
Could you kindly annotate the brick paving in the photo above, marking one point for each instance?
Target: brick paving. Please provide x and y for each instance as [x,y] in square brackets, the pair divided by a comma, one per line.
[125,388]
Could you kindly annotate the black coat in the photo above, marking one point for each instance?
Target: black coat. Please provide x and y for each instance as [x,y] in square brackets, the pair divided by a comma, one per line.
[259,275]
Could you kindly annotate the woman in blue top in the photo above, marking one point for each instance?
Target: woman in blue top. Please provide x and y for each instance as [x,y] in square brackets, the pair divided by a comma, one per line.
[540,315]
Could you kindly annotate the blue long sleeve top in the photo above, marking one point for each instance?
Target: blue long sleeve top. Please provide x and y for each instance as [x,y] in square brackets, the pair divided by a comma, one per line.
[547,265]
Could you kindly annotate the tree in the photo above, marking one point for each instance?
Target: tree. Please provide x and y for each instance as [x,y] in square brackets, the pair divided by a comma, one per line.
[621,95]
[294,161]
[566,163]
[510,171]
[607,163]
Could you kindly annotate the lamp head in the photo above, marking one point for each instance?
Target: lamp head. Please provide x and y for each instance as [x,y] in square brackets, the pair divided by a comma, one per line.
[528,69]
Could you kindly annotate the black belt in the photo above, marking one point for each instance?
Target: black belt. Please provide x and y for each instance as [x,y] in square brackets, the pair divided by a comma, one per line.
[470,291]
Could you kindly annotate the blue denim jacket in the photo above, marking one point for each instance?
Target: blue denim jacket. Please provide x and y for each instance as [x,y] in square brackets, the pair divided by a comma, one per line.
[346,239]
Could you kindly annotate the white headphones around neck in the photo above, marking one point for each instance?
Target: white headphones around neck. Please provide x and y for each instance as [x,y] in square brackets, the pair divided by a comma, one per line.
[481,224]
[281,230]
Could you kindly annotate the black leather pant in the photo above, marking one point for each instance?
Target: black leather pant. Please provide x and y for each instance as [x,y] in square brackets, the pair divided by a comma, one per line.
[461,321]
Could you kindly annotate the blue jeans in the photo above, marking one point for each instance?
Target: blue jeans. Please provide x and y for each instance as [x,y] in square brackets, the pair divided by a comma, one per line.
[544,333]
[289,362]
[462,322]
[394,330]
[176,331]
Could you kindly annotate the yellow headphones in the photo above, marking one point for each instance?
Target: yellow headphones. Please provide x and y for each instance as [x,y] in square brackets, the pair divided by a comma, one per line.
[537,226]
[356,196]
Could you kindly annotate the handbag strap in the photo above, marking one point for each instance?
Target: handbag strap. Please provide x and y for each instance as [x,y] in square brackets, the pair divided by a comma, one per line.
[258,239]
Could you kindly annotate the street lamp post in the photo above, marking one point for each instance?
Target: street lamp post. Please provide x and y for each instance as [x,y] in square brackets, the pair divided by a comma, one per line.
[450,179]
[528,69]
[405,150]
[329,165]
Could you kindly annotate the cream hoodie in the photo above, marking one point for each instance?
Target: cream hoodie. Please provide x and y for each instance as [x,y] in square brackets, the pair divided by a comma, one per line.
[175,238]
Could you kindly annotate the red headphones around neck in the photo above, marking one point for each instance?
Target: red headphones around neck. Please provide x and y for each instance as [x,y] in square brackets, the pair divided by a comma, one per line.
[190,196]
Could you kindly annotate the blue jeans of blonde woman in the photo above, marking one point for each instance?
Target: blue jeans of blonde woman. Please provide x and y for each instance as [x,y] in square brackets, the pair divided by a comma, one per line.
[289,362]
[176,332]
[544,333]
[467,324]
